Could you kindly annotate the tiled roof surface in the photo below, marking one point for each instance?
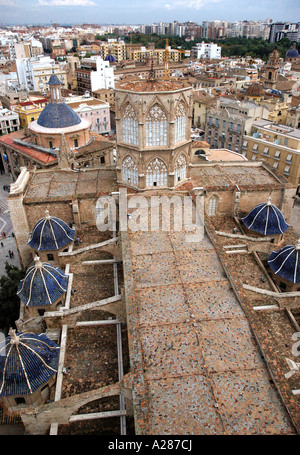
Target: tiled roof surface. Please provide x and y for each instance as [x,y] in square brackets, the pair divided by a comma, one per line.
[58,115]
[286,263]
[43,284]
[27,361]
[50,233]
[265,219]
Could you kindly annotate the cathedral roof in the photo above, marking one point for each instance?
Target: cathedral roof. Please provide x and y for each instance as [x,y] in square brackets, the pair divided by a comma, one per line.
[286,263]
[27,361]
[58,115]
[266,219]
[43,284]
[50,233]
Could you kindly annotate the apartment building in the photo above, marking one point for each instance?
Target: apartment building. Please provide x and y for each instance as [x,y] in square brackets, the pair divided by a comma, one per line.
[113,47]
[229,121]
[206,50]
[9,121]
[277,144]
[94,110]
[94,74]
[29,111]
[34,73]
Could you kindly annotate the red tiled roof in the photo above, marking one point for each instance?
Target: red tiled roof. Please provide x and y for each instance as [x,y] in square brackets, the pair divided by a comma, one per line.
[8,139]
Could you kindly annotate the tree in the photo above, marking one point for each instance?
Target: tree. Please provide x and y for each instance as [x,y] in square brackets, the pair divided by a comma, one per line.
[9,301]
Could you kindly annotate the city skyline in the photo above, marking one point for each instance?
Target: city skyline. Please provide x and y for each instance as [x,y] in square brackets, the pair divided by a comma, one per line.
[117,12]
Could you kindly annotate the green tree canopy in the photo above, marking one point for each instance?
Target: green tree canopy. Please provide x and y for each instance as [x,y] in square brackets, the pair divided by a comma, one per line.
[9,301]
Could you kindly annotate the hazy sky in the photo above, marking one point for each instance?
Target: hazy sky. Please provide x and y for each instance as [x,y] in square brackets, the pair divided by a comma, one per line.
[144,11]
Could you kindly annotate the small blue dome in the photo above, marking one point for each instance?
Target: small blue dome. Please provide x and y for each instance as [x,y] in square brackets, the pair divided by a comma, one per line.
[43,284]
[110,58]
[27,361]
[50,233]
[286,263]
[265,219]
[54,80]
[292,53]
[58,115]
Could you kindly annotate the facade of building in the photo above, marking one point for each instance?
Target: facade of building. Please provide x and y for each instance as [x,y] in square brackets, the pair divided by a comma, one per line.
[34,73]
[9,121]
[94,74]
[277,144]
[96,111]
[227,124]
[29,111]
[206,51]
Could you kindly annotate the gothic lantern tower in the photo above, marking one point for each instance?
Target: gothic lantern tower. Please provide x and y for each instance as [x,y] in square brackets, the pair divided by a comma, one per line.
[153,119]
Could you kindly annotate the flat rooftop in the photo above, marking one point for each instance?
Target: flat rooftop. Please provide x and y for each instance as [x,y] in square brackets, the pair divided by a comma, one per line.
[59,184]
[196,364]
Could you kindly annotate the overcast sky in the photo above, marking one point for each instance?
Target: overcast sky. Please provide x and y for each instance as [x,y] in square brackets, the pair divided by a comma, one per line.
[144,11]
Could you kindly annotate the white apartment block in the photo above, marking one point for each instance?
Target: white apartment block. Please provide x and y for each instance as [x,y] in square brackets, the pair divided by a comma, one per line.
[206,50]
[9,121]
[34,73]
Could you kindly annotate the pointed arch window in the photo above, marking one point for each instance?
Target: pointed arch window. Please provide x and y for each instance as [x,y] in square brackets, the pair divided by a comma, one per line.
[180,168]
[129,171]
[157,174]
[130,126]
[180,123]
[212,206]
[156,127]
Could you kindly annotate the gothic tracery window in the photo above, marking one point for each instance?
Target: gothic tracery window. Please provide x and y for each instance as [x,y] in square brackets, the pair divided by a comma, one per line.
[180,123]
[180,168]
[156,127]
[130,126]
[157,174]
[129,171]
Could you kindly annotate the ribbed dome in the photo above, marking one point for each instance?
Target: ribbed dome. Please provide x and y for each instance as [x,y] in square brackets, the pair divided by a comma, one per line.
[110,58]
[43,284]
[58,115]
[27,361]
[266,219]
[286,263]
[50,233]
[292,53]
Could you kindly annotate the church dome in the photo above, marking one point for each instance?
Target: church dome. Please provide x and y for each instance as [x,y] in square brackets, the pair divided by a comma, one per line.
[43,284]
[58,115]
[110,58]
[50,233]
[255,89]
[292,52]
[265,219]
[286,263]
[27,361]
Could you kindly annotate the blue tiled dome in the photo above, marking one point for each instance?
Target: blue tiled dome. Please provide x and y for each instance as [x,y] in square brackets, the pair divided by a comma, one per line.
[58,115]
[286,263]
[110,58]
[292,53]
[265,219]
[54,80]
[27,361]
[43,284]
[50,233]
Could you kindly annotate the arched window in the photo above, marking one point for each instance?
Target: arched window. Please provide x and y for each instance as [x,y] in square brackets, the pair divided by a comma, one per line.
[129,171]
[130,126]
[180,123]
[180,168]
[212,205]
[156,127]
[157,173]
